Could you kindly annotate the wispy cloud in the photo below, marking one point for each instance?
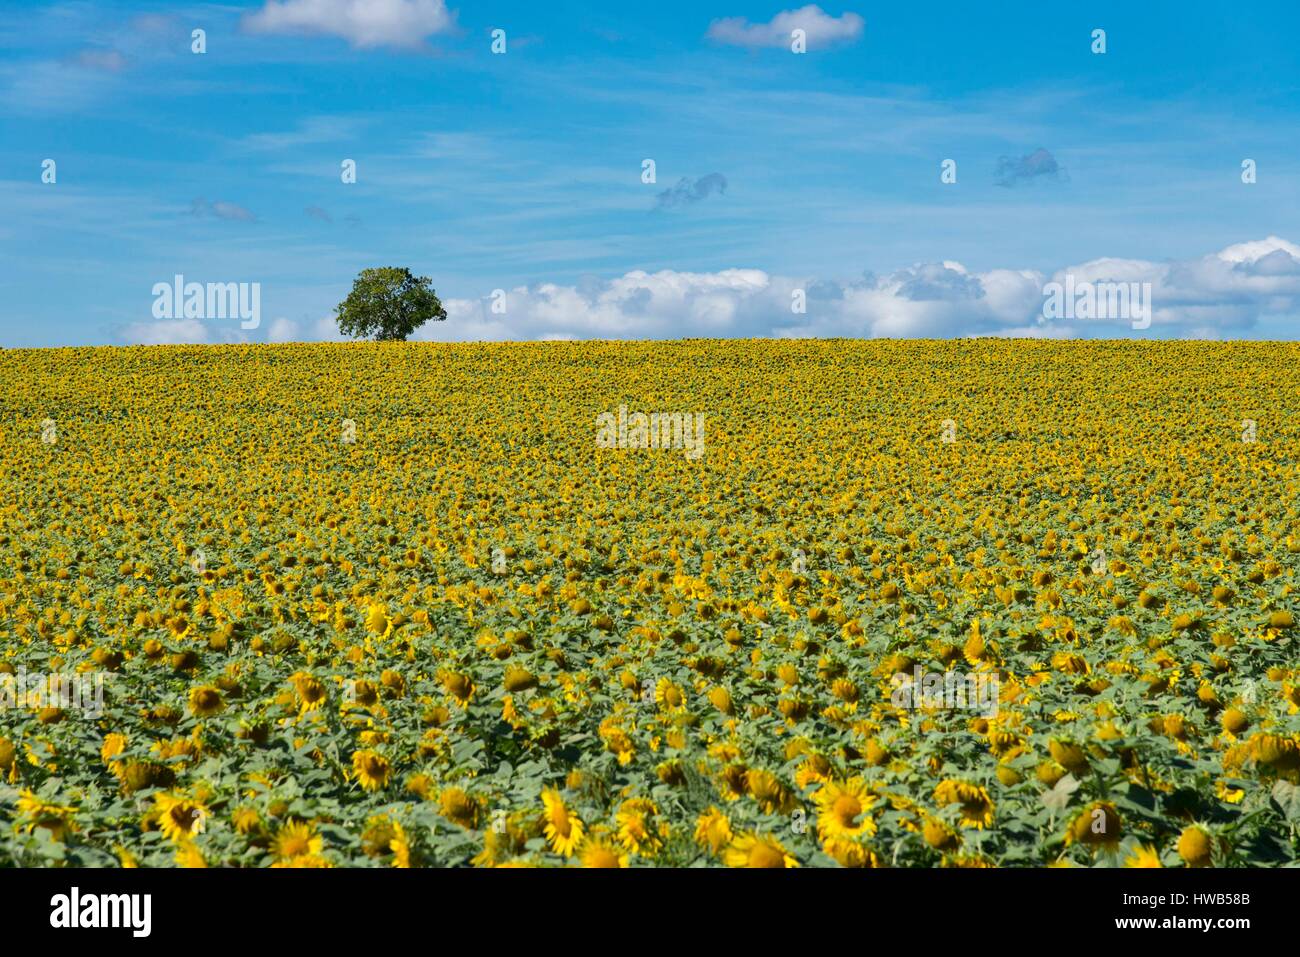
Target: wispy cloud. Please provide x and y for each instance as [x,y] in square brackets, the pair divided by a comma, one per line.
[54,86]
[222,210]
[312,131]
[110,61]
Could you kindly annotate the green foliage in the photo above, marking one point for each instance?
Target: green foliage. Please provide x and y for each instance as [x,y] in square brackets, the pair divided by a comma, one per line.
[388,304]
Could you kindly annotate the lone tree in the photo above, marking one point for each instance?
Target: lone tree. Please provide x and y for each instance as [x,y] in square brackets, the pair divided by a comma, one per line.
[388,304]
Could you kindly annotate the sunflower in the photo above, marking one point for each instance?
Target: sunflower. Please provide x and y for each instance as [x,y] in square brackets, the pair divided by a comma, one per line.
[748,849]
[501,842]
[1068,755]
[364,693]
[599,851]
[421,785]
[669,695]
[518,679]
[310,691]
[564,829]
[372,769]
[1234,721]
[179,818]
[377,621]
[767,790]
[56,819]
[205,701]
[713,830]
[616,739]
[636,826]
[245,820]
[377,835]
[189,856]
[304,861]
[939,835]
[848,853]
[1276,751]
[458,685]
[400,845]
[114,745]
[296,839]
[1143,855]
[1196,847]
[976,805]
[967,861]
[720,698]
[1099,825]
[459,808]
[843,811]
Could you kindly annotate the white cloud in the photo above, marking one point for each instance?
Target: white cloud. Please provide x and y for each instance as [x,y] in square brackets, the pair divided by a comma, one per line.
[324,329]
[820,28]
[1239,290]
[168,332]
[366,24]
[283,330]
[1252,251]
[1230,291]
[201,332]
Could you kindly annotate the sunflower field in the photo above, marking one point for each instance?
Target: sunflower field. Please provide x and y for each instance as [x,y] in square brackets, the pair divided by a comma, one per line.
[377,605]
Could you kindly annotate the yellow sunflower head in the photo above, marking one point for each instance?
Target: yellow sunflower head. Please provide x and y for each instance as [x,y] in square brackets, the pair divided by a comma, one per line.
[713,830]
[459,808]
[975,804]
[599,851]
[638,830]
[1099,825]
[757,850]
[564,829]
[372,769]
[179,818]
[205,701]
[842,810]
[294,840]
[1143,855]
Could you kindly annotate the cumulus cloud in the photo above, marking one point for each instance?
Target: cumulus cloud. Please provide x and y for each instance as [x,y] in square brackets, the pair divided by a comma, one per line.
[365,24]
[1229,293]
[820,29]
[171,332]
[1035,167]
[689,191]
[946,281]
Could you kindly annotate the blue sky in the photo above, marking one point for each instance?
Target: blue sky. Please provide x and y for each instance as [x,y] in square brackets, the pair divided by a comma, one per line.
[522,171]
